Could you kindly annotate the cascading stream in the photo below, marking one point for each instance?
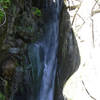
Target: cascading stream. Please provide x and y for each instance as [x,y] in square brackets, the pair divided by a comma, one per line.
[42,56]
[42,60]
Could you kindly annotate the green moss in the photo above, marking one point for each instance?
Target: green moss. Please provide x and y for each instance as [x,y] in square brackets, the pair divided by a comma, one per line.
[2,97]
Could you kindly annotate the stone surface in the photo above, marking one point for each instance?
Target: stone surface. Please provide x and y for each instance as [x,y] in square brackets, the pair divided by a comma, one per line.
[68,54]
[26,28]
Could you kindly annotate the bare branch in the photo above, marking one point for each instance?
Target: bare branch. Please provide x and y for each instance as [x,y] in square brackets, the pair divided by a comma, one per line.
[73,7]
[93,31]
[78,7]
[75,15]
[87,91]
[95,12]
[92,13]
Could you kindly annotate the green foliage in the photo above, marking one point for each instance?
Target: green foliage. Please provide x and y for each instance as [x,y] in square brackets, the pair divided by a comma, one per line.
[1,15]
[2,97]
[4,4]
[37,11]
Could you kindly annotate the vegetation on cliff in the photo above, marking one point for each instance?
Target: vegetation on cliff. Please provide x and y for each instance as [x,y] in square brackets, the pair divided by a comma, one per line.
[23,25]
[20,24]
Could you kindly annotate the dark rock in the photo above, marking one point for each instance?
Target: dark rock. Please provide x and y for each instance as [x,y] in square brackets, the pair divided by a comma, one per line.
[14,50]
[68,54]
[8,68]
[17,80]
[28,27]
[7,65]
[23,28]
[19,43]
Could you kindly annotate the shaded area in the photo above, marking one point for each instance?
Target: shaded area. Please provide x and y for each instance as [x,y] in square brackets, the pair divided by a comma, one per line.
[68,54]
[32,41]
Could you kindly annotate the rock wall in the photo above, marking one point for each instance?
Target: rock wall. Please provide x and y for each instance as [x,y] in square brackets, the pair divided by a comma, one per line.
[68,54]
[23,27]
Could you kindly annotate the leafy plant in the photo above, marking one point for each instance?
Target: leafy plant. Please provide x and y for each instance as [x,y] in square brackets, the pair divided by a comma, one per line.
[37,12]
[4,4]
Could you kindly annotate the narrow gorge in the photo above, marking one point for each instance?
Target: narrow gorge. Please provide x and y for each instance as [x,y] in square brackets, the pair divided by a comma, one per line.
[38,51]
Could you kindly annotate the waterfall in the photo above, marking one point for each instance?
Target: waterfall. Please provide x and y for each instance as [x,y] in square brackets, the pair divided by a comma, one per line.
[42,57]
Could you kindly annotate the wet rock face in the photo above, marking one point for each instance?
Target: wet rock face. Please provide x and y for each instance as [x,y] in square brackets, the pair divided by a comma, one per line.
[21,28]
[7,71]
[68,54]
[27,28]
[8,68]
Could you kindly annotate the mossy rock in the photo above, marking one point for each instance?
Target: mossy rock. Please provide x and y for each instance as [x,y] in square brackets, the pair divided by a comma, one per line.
[7,70]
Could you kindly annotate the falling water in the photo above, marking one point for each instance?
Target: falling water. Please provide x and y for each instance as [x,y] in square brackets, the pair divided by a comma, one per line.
[40,77]
[42,56]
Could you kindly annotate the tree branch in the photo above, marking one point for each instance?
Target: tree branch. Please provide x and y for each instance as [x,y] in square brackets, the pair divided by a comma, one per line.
[87,91]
